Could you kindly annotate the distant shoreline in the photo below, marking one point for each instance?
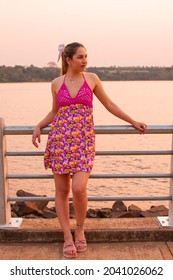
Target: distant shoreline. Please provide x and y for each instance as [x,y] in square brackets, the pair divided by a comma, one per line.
[18,73]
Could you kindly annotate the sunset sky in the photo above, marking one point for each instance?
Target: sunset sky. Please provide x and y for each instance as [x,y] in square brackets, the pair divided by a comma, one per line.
[114,32]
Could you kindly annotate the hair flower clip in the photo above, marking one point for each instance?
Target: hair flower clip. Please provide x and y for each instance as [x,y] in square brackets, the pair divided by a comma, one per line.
[61,48]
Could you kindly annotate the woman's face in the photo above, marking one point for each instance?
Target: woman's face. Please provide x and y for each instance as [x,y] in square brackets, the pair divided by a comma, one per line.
[79,60]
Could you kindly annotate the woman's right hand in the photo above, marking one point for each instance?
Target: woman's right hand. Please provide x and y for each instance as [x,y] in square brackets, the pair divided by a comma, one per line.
[36,134]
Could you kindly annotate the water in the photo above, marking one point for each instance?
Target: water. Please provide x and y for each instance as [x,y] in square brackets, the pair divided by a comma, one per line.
[151,102]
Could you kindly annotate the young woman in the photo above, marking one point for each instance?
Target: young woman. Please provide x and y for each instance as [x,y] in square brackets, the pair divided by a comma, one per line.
[70,148]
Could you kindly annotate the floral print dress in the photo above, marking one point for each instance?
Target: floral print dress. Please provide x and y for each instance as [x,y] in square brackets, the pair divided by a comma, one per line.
[71,140]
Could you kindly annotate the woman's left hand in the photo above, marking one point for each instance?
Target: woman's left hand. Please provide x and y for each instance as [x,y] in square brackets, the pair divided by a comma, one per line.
[140,126]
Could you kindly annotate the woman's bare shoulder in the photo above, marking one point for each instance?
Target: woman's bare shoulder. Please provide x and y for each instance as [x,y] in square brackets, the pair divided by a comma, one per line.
[57,82]
[92,78]
[91,75]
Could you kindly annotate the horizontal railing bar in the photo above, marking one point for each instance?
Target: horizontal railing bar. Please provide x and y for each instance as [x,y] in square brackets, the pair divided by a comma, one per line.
[94,176]
[128,129]
[99,129]
[91,198]
[99,153]
[135,153]
[11,153]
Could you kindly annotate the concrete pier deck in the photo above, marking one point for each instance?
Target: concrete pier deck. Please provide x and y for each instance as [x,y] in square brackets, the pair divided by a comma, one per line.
[114,239]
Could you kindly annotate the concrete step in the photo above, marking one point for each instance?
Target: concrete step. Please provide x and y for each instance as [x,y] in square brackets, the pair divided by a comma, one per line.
[96,230]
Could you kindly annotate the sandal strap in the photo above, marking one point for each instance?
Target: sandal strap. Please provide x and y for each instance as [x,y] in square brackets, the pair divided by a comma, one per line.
[69,247]
[80,240]
[80,243]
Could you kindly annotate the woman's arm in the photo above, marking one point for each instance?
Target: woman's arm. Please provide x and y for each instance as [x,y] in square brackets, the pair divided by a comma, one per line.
[47,120]
[113,108]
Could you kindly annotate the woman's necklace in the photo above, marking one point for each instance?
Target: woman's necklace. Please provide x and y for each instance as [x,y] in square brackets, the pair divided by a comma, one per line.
[72,80]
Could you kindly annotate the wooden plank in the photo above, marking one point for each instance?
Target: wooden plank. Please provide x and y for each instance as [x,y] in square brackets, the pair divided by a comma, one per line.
[170,246]
[96,251]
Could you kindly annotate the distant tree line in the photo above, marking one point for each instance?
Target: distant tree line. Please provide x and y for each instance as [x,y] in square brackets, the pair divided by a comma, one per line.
[32,73]
[114,73]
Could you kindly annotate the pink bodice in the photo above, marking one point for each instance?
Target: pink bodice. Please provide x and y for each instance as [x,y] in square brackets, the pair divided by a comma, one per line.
[83,96]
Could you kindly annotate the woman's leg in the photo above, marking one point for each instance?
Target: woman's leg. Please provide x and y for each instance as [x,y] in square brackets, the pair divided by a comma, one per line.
[62,187]
[80,200]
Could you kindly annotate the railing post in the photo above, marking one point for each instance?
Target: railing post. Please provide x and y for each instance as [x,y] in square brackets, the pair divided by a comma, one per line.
[171,191]
[5,211]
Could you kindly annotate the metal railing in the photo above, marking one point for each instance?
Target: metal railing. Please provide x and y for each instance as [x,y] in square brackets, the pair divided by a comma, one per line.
[5,211]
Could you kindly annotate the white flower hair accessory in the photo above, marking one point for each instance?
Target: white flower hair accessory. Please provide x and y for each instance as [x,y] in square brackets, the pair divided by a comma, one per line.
[61,48]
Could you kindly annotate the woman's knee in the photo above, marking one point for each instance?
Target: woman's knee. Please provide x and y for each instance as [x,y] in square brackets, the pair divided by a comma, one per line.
[62,192]
[62,185]
[79,189]
[79,183]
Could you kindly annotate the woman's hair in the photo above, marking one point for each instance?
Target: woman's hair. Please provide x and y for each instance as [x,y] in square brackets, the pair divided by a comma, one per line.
[69,51]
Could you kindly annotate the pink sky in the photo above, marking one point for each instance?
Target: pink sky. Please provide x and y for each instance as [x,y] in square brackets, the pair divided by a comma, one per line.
[114,32]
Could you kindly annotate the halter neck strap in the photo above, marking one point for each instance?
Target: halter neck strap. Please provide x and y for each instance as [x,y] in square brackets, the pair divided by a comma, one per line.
[83,76]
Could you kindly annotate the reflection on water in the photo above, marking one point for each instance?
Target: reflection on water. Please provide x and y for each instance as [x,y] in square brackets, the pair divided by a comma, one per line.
[151,102]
